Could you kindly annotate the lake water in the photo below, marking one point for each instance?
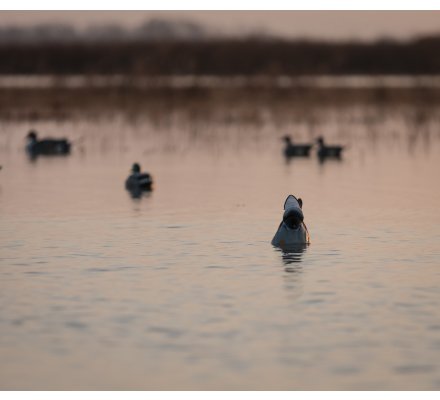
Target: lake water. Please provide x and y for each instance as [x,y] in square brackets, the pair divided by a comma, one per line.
[181,289]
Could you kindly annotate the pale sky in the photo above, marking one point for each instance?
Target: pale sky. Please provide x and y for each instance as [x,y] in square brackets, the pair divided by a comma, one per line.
[364,25]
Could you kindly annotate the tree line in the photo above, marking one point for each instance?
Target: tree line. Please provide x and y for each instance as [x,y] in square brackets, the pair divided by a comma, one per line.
[223,57]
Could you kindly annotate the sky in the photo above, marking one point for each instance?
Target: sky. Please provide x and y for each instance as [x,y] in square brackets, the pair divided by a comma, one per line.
[332,25]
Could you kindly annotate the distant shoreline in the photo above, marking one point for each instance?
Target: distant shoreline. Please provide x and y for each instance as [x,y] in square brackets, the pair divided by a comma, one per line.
[222,57]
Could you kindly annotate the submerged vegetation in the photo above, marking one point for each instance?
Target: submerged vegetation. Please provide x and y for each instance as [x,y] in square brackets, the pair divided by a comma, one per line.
[224,105]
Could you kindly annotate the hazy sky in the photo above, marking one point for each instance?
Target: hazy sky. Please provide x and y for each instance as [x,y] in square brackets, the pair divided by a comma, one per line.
[364,25]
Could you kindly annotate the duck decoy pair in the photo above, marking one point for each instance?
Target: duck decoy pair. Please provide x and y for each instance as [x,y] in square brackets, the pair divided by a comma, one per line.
[303,150]
[136,182]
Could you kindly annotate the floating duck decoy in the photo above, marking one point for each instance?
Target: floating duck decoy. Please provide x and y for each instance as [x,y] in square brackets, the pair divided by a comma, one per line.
[138,181]
[47,146]
[295,150]
[325,151]
[292,230]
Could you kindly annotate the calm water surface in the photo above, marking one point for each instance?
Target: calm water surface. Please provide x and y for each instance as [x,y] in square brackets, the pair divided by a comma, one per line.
[181,289]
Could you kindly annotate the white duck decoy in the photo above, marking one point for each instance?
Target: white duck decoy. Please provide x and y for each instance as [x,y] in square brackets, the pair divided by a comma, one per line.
[292,230]
[295,150]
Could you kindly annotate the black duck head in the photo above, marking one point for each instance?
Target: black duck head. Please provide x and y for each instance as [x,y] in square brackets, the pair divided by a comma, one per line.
[136,168]
[32,136]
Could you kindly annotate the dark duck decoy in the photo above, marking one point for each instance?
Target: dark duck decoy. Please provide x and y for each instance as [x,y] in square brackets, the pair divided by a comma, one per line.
[138,181]
[46,146]
[295,150]
[325,151]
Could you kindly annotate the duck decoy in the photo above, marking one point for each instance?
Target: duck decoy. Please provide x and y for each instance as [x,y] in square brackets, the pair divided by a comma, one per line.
[47,146]
[295,150]
[325,151]
[138,181]
[292,229]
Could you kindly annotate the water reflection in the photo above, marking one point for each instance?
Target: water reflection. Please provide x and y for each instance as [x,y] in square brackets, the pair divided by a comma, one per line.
[292,258]
[322,159]
[292,254]
[137,193]
[33,156]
